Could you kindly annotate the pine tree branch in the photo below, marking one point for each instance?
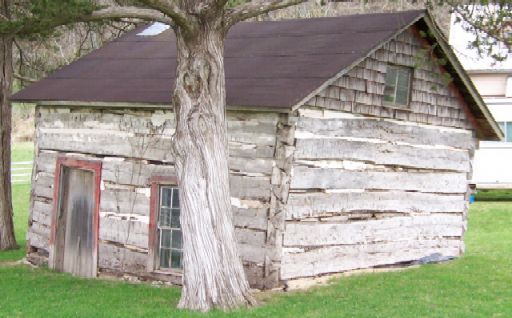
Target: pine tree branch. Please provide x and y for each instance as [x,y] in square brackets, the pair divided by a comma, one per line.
[255,8]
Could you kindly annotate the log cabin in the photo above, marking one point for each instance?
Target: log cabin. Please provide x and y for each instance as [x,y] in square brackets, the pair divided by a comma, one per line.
[351,142]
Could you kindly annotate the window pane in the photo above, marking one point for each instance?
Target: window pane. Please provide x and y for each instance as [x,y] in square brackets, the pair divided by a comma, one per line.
[175,219]
[403,78]
[402,96]
[177,239]
[166,193]
[165,217]
[165,255]
[509,131]
[175,198]
[389,94]
[176,257]
[165,238]
[391,74]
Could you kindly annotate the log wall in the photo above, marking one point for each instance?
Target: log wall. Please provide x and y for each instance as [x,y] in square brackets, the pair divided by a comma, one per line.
[373,184]
[133,146]
[368,192]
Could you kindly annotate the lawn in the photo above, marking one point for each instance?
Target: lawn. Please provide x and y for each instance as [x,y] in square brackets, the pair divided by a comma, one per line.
[477,285]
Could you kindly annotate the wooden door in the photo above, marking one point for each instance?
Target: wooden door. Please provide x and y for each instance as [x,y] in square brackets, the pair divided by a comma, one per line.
[75,233]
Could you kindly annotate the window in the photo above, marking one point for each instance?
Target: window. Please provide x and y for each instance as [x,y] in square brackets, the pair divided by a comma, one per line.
[165,236]
[169,229]
[398,85]
[506,127]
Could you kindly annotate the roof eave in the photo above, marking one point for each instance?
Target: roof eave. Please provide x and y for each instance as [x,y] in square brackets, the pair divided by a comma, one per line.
[99,104]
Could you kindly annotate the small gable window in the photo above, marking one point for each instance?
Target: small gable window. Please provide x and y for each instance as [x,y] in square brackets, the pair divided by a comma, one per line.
[398,85]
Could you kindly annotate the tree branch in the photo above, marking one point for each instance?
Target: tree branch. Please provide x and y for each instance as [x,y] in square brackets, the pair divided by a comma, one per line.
[170,9]
[129,12]
[24,78]
[255,8]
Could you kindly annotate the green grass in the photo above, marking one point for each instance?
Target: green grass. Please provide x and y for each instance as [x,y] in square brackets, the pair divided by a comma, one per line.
[494,195]
[22,151]
[477,285]
[20,203]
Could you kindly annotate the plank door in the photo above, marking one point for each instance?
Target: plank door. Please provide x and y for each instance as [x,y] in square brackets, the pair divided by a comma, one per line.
[75,234]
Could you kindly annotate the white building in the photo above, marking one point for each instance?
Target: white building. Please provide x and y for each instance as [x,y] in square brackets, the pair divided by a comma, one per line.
[493,160]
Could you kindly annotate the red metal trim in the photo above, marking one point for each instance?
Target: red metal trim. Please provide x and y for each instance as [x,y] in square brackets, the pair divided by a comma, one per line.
[451,86]
[153,211]
[84,164]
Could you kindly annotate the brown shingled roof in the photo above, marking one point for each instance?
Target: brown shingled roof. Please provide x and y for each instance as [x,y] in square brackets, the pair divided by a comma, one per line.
[268,64]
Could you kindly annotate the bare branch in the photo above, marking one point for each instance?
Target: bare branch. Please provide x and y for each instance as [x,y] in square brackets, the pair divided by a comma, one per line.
[130,12]
[256,8]
[170,9]
[24,78]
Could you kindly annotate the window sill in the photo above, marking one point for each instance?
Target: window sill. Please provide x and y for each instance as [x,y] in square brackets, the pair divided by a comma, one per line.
[175,272]
[397,107]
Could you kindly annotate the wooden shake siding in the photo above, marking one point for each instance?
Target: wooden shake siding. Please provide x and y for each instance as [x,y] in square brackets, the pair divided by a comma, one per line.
[134,145]
[374,185]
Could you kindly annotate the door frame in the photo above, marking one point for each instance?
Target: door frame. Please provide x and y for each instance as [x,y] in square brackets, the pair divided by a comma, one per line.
[84,164]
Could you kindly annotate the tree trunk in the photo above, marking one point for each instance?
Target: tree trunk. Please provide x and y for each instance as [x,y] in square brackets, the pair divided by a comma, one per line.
[7,238]
[213,272]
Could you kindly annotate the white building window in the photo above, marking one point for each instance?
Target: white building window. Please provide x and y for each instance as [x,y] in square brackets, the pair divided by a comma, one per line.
[398,85]
[506,127]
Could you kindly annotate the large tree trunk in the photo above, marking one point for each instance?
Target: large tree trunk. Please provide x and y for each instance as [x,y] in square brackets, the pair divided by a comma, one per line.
[213,272]
[7,238]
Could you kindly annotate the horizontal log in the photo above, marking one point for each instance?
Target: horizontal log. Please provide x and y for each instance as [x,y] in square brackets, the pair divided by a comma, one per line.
[126,232]
[251,165]
[46,161]
[127,120]
[131,172]
[43,186]
[302,205]
[250,237]
[297,263]
[105,142]
[323,178]
[250,187]
[120,259]
[383,154]
[250,218]
[365,232]
[42,212]
[37,240]
[40,229]
[255,254]
[385,130]
[124,202]
[241,150]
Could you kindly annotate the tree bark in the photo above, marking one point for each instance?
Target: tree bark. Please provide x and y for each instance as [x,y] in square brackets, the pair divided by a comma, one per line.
[7,237]
[213,272]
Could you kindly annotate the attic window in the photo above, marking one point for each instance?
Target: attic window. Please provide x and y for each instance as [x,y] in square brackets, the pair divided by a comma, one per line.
[398,85]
